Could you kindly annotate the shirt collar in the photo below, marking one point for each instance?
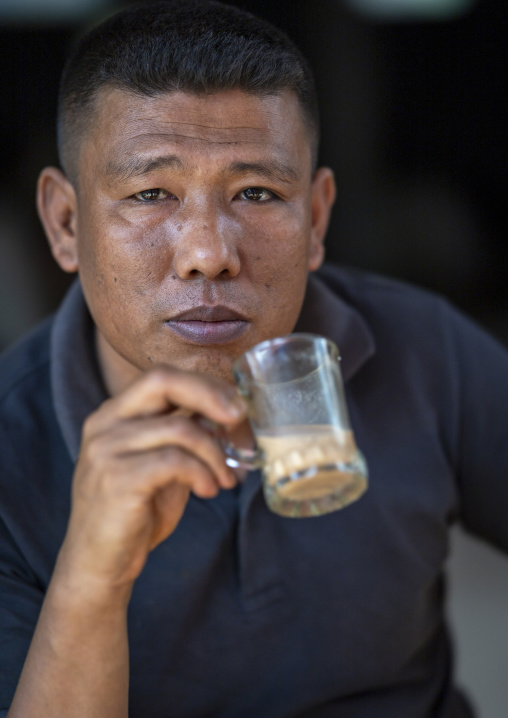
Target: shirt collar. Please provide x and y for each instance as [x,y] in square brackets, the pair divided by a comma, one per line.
[325,312]
[77,386]
[76,381]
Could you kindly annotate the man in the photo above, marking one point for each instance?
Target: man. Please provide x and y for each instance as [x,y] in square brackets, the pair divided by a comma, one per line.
[190,205]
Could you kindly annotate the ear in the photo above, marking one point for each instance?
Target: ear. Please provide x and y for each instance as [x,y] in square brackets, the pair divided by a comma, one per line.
[322,199]
[57,207]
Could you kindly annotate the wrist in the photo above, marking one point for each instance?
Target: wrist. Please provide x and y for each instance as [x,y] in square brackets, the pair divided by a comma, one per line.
[73,587]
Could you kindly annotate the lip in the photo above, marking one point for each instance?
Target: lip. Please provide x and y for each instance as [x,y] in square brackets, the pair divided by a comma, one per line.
[208,325]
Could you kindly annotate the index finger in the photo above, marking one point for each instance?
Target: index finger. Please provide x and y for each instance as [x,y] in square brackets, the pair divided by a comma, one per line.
[164,389]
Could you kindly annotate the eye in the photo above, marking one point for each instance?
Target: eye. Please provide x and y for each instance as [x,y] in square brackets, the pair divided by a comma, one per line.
[257,194]
[151,195]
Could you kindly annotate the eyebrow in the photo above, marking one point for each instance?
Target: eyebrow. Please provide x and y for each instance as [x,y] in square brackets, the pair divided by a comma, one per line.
[139,166]
[271,170]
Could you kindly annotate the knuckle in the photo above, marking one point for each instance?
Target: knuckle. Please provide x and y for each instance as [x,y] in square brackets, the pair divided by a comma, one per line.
[94,421]
[95,449]
[89,426]
[183,428]
[159,376]
[194,439]
[184,466]
[174,457]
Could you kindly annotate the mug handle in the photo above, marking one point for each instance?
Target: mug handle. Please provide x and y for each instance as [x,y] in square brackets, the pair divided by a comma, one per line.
[249,459]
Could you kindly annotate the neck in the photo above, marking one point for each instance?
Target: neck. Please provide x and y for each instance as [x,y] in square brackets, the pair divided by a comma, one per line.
[117,372]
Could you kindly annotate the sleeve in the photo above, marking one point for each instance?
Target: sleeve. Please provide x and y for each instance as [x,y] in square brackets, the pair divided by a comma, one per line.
[480,375]
[20,602]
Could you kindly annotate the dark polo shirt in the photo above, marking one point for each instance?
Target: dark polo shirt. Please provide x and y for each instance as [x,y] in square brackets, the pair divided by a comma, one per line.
[242,613]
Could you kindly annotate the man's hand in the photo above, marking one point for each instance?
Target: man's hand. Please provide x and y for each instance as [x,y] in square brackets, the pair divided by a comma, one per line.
[142,453]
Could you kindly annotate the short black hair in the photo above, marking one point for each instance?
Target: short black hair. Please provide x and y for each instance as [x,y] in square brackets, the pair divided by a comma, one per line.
[196,46]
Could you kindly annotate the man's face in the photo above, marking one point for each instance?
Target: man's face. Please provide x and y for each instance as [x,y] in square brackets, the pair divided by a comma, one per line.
[195,225]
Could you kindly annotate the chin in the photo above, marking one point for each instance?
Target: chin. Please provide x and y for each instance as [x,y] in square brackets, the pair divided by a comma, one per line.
[206,361]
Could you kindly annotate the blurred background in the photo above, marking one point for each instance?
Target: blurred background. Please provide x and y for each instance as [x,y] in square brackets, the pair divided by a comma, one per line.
[414,123]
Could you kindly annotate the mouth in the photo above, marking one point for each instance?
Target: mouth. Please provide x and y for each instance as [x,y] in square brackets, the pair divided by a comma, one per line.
[208,325]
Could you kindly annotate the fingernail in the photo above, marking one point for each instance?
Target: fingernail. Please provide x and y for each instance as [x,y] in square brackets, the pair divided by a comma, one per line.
[237,407]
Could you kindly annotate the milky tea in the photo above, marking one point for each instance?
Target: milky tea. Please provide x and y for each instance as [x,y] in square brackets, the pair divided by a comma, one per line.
[308,455]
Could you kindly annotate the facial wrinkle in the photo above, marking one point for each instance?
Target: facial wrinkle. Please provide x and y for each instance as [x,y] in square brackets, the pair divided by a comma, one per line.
[157,128]
[138,166]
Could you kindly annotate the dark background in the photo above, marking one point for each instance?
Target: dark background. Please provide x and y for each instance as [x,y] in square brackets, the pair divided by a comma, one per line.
[414,121]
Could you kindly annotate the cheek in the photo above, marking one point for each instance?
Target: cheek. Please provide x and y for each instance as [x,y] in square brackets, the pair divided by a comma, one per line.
[124,256]
[120,270]
[279,268]
[281,251]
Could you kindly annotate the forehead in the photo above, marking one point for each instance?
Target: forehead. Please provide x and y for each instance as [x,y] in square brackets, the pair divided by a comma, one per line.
[224,124]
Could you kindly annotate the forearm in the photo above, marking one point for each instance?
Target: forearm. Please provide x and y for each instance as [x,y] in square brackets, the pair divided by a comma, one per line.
[78,662]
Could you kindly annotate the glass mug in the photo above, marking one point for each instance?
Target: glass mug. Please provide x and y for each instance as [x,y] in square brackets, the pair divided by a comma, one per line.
[297,410]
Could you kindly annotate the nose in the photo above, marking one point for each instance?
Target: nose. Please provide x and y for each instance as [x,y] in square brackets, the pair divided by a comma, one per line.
[205,246]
